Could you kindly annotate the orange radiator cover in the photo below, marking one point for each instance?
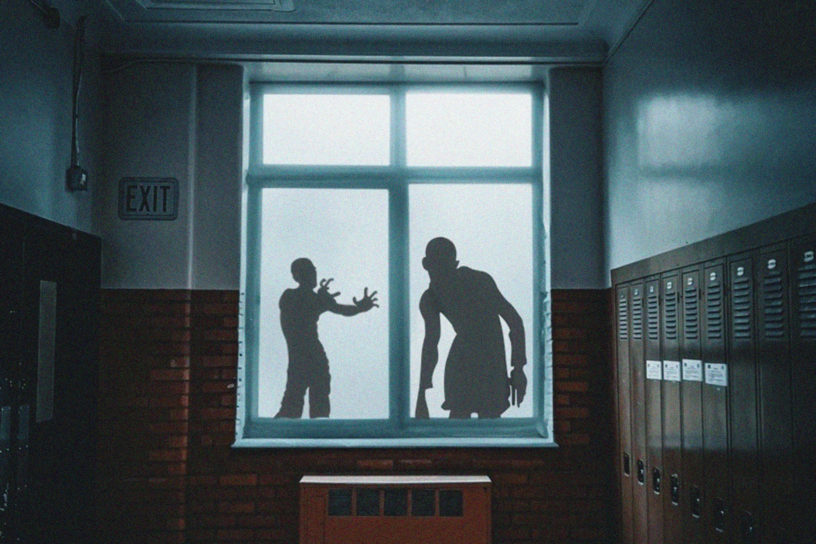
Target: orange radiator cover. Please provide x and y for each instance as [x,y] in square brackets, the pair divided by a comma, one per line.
[395,509]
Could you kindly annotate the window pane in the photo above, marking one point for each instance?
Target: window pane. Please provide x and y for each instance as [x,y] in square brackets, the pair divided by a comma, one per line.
[469,129]
[344,233]
[496,240]
[326,129]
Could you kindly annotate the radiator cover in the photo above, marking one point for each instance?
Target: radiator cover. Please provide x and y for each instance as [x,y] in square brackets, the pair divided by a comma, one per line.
[395,509]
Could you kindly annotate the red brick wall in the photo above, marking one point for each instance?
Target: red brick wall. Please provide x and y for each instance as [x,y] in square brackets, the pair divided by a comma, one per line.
[167,400]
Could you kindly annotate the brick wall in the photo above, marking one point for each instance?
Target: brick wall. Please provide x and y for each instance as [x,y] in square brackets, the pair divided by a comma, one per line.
[167,399]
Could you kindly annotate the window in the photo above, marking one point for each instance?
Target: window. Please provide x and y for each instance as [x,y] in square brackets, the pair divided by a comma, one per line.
[382,222]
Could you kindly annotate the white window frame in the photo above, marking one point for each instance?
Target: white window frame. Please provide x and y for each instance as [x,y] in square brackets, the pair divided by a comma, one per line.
[399,429]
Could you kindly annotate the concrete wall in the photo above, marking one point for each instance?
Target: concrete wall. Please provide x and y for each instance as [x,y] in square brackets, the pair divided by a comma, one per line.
[184,121]
[181,121]
[576,238]
[709,111]
[35,116]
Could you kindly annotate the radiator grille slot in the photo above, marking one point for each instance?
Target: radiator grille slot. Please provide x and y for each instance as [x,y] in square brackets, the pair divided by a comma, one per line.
[637,318]
[714,311]
[806,287]
[741,307]
[691,317]
[652,316]
[670,316]
[623,318]
[773,313]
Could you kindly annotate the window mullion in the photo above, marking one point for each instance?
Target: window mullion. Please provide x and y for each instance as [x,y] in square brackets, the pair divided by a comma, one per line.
[399,403]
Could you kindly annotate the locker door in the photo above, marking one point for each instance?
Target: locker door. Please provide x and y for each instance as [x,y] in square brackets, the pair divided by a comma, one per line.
[803,337]
[742,389]
[654,416]
[624,383]
[715,406]
[11,266]
[638,368]
[672,429]
[773,356]
[692,489]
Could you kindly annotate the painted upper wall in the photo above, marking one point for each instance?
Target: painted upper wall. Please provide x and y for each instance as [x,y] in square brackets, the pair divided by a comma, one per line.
[709,111]
[35,117]
[184,120]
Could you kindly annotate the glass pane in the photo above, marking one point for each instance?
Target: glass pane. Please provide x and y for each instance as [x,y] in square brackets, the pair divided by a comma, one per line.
[490,229]
[422,502]
[326,129]
[368,502]
[450,503]
[339,365]
[468,129]
[339,502]
[395,502]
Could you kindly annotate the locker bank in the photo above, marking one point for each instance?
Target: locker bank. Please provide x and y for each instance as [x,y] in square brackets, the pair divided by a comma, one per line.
[616,342]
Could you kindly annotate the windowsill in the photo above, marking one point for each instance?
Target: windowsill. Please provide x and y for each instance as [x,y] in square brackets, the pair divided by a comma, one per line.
[474,442]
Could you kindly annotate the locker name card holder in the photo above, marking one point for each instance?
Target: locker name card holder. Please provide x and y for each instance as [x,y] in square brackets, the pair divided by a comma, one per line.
[716,374]
[654,370]
[151,199]
[692,370]
[671,371]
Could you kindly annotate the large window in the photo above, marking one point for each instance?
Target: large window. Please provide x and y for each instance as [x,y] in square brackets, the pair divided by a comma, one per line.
[393,267]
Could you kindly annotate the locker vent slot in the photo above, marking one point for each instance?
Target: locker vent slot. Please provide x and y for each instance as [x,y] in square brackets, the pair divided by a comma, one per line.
[741,306]
[806,286]
[653,317]
[623,317]
[670,317]
[774,313]
[714,311]
[637,319]
[691,319]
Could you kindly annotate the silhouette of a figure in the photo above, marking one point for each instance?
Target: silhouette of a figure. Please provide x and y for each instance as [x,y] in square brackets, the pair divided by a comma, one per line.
[300,308]
[476,378]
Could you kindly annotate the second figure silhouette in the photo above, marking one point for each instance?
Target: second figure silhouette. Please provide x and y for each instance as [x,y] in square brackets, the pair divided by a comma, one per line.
[308,367]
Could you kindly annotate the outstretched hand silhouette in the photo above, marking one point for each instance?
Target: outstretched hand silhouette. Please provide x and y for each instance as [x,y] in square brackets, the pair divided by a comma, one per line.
[367,302]
[323,292]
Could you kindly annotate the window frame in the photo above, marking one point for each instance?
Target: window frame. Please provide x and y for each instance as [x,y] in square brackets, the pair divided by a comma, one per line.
[400,428]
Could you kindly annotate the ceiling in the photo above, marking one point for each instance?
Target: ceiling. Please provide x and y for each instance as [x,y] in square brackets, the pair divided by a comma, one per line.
[508,31]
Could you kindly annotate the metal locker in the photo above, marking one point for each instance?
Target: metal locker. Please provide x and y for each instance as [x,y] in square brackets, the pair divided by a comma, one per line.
[715,405]
[637,366]
[803,350]
[654,415]
[742,390]
[692,490]
[624,384]
[672,430]
[773,356]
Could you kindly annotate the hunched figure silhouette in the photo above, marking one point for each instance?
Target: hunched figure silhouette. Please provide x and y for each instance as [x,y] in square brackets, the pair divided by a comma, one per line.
[300,308]
[476,378]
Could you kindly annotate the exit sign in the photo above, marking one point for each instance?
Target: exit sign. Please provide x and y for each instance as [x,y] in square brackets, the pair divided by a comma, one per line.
[148,198]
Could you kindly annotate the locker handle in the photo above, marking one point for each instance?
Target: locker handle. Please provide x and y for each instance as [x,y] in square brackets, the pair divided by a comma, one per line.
[675,489]
[627,465]
[719,515]
[696,502]
[656,481]
[747,528]
[641,472]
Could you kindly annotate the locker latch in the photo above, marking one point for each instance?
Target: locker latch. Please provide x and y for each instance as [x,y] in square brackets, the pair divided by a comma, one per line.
[674,490]
[747,528]
[641,472]
[627,464]
[719,515]
[696,499]
[656,480]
